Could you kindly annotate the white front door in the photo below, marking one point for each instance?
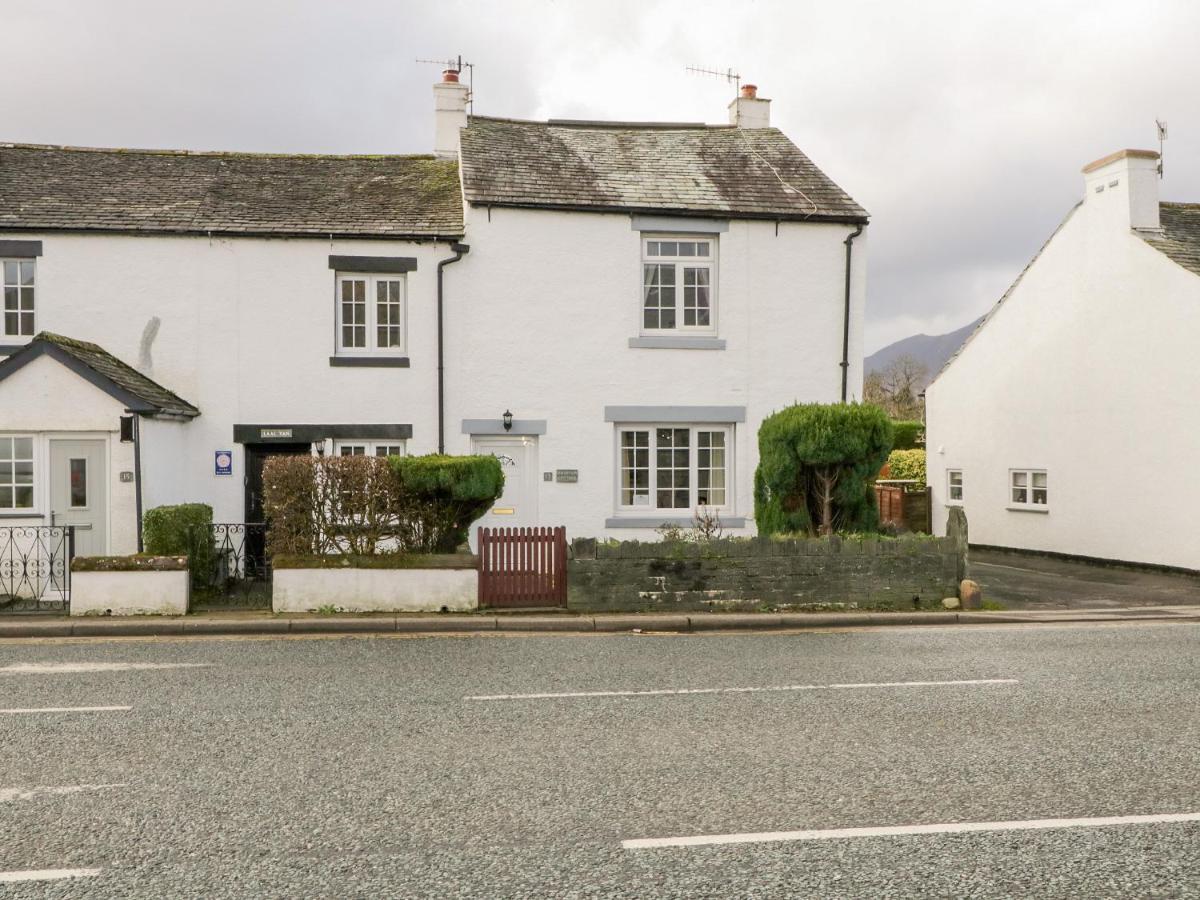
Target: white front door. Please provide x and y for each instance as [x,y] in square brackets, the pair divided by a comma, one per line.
[79,492]
[517,506]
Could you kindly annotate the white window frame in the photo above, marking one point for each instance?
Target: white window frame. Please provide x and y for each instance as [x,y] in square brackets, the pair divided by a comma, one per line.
[5,286]
[1029,488]
[32,459]
[652,507]
[680,263]
[369,448]
[951,500]
[371,322]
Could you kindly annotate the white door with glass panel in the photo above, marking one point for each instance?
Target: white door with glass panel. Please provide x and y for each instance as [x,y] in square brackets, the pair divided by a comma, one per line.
[517,506]
[78,492]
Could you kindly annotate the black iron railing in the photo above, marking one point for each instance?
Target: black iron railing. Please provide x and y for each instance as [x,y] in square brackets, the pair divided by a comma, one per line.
[35,568]
[229,564]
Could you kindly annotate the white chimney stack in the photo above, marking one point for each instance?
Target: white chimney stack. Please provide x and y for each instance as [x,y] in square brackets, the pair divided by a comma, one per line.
[1124,185]
[749,110]
[450,114]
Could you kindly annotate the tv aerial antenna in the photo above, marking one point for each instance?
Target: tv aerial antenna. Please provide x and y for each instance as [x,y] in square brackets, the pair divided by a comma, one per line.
[457,64]
[728,74]
[1162,136]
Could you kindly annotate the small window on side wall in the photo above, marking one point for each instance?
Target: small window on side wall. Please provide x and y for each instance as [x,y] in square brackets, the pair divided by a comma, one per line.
[1028,489]
[954,486]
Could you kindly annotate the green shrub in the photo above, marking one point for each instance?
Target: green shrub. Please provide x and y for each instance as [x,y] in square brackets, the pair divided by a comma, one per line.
[181,530]
[441,496]
[817,466]
[904,464]
[909,435]
[169,530]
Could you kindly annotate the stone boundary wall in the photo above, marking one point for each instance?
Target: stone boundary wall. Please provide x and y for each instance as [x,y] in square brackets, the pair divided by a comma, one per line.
[832,573]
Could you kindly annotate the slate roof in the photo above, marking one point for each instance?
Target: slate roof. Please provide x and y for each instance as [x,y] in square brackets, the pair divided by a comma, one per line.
[45,187]
[108,373]
[1180,238]
[684,169]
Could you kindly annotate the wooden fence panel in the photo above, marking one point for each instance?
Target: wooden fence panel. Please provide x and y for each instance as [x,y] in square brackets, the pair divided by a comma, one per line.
[522,567]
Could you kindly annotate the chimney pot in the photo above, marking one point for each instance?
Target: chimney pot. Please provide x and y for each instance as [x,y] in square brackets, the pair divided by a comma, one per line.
[749,91]
[450,76]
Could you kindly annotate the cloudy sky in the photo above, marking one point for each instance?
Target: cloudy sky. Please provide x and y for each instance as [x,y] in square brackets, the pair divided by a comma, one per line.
[961,126]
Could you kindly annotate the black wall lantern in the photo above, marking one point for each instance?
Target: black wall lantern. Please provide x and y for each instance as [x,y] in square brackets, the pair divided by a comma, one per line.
[126,429]
[507,420]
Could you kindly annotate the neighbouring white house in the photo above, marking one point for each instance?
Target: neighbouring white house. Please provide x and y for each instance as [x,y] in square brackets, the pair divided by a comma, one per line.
[1067,421]
[610,308]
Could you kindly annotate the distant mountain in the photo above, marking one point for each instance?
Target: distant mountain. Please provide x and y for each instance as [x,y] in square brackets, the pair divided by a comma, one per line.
[933,350]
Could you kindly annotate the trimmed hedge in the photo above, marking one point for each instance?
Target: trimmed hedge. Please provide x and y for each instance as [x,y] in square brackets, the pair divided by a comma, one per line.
[443,495]
[814,454]
[907,464]
[909,435]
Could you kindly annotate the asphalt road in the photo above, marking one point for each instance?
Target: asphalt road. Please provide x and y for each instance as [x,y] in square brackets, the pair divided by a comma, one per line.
[1028,581]
[356,767]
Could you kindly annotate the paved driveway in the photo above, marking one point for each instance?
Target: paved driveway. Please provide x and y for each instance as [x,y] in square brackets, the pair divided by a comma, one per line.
[1026,581]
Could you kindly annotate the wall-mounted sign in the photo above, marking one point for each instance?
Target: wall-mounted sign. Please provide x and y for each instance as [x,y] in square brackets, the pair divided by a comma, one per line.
[547,476]
[566,476]
[223,462]
[126,477]
[266,433]
[502,511]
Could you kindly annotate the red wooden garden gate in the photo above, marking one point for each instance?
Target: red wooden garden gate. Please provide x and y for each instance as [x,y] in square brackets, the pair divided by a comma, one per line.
[522,567]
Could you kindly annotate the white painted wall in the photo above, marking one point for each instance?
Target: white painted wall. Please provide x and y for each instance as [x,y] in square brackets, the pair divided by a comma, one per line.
[539,315]
[539,318]
[246,331]
[1088,369]
[129,593]
[374,590]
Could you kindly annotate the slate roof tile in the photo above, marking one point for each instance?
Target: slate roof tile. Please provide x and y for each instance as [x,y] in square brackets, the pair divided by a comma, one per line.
[708,170]
[43,187]
[1180,238]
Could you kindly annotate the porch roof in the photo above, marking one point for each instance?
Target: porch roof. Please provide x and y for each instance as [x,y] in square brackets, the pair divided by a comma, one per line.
[96,365]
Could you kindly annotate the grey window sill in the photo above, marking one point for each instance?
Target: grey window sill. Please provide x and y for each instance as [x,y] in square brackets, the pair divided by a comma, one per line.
[22,515]
[677,343]
[1043,510]
[659,521]
[370,362]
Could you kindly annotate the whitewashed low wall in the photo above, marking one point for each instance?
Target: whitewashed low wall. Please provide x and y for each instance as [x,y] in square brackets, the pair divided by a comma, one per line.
[144,593]
[374,590]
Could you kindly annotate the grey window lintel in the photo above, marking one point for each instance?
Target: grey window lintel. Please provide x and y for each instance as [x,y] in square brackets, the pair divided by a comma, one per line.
[659,521]
[299,434]
[677,342]
[664,414]
[679,224]
[496,426]
[380,362]
[19,249]
[373,263]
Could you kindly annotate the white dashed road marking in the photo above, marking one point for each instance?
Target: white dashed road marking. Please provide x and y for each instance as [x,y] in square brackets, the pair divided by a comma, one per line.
[58,668]
[8,795]
[46,875]
[63,709]
[744,690]
[762,837]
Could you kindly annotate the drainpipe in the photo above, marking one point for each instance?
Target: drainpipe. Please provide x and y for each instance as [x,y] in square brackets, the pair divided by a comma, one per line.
[137,475]
[846,318]
[460,250]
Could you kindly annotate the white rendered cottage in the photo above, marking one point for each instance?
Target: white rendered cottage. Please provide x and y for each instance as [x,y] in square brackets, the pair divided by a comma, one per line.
[1066,423]
[610,308]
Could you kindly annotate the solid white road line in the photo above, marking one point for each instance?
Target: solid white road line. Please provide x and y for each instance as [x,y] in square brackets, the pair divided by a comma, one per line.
[46,875]
[743,690]
[57,668]
[900,830]
[64,709]
[8,795]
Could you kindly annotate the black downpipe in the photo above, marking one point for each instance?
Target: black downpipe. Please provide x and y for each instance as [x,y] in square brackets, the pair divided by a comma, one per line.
[846,318]
[137,476]
[460,250]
